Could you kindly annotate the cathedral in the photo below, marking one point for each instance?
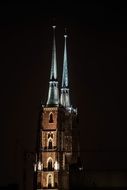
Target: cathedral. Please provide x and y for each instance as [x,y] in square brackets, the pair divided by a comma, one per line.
[57,138]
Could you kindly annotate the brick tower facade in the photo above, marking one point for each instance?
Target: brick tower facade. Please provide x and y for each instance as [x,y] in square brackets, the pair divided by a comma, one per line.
[57,137]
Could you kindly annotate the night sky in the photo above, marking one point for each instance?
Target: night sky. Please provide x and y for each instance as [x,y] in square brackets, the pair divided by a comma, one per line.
[97,57]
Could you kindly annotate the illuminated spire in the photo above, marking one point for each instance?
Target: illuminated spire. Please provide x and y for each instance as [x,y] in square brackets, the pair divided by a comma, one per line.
[65,98]
[53,74]
[53,93]
[65,69]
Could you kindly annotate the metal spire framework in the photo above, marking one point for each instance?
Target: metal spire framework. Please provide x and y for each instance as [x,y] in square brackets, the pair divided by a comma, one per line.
[65,98]
[53,93]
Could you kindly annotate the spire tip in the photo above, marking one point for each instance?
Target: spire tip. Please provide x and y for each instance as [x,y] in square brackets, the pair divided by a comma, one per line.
[54,26]
[65,32]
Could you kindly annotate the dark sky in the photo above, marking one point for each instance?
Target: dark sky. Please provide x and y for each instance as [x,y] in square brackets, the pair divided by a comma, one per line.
[97,56]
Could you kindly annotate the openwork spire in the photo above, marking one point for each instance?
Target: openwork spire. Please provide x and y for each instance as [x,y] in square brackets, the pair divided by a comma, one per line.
[65,69]
[53,74]
[53,93]
[65,98]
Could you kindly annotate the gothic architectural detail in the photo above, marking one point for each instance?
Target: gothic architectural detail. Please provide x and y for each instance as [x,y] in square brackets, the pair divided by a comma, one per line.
[57,148]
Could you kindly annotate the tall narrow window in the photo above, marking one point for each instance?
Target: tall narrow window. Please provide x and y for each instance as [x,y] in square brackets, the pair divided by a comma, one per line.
[49,181]
[50,165]
[51,118]
[50,144]
[52,135]
[48,135]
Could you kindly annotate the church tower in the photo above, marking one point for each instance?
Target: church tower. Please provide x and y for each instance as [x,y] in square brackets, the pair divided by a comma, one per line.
[57,145]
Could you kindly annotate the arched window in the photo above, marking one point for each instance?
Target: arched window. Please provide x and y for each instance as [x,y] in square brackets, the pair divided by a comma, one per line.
[51,118]
[50,164]
[50,181]
[49,135]
[52,135]
[50,144]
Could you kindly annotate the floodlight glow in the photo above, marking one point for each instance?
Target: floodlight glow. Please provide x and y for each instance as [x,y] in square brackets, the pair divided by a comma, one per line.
[35,167]
[39,166]
[56,165]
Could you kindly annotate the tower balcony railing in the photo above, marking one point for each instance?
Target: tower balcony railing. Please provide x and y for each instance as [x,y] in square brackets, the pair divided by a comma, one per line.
[54,148]
[48,149]
[48,169]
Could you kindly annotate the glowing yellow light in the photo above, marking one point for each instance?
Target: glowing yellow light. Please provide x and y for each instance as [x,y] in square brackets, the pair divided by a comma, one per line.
[56,165]
[39,166]
[35,167]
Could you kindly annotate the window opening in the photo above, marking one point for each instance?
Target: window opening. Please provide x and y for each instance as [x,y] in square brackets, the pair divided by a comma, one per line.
[51,118]
[50,144]
[50,165]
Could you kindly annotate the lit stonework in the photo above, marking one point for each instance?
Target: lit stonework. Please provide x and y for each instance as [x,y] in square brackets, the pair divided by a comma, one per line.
[57,147]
